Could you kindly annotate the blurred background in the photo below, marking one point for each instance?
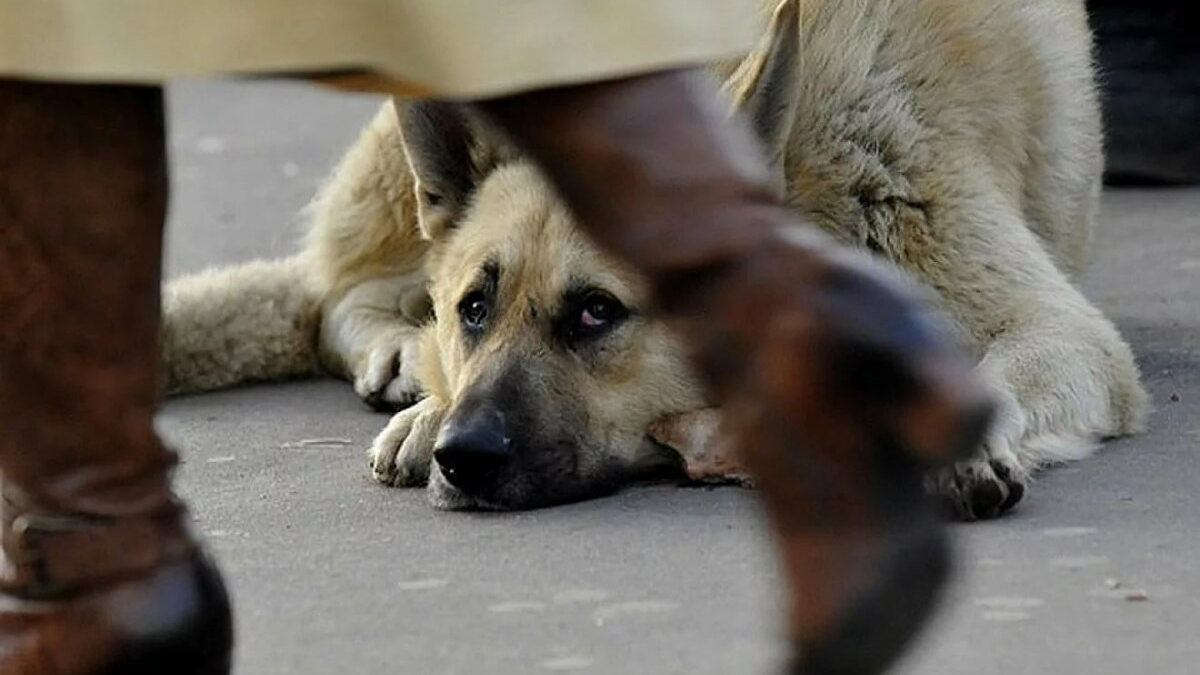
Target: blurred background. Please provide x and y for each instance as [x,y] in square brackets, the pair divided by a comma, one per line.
[1150,57]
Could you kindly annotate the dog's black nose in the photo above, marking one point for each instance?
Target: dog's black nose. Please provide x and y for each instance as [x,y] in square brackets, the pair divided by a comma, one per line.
[472,447]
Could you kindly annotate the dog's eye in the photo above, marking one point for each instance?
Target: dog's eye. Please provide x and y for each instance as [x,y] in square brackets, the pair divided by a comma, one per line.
[598,314]
[474,311]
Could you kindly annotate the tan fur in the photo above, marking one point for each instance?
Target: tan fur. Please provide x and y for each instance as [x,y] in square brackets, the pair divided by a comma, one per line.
[959,139]
[360,280]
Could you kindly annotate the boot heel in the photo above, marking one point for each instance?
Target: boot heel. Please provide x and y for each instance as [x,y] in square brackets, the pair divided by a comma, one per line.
[178,622]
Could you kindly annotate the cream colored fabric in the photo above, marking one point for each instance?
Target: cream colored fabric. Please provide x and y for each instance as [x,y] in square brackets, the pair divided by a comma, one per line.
[465,48]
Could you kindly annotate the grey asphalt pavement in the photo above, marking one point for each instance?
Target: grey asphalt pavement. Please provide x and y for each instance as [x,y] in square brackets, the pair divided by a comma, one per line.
[1096,572]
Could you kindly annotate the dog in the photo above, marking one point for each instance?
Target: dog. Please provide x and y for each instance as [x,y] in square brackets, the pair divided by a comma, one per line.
[959,140]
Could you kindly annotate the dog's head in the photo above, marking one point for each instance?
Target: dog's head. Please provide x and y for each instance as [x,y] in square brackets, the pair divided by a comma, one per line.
[542,349]
[543,352]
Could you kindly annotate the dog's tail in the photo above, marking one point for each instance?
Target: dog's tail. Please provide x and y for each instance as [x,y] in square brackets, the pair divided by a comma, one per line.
[224,326]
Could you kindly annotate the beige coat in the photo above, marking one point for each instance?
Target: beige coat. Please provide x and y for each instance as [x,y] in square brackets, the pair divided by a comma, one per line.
[453,48]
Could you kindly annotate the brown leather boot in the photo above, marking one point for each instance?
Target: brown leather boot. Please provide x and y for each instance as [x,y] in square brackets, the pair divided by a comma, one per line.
[98,571]
[838,385]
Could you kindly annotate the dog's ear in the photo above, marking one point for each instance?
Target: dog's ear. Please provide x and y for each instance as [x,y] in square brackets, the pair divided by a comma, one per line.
[438,142]
[765,85]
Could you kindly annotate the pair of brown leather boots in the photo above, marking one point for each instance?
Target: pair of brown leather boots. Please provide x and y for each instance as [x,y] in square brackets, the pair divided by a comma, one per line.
[838,385]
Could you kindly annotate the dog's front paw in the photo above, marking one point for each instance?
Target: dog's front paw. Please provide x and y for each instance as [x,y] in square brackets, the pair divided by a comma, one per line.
[980,488]
[401,454]
[388,381]
[993,481]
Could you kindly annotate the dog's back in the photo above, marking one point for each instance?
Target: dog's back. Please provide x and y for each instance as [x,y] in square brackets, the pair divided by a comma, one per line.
[901,98]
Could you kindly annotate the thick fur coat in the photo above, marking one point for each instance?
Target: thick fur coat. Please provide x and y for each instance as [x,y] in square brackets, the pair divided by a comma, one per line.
[958,139]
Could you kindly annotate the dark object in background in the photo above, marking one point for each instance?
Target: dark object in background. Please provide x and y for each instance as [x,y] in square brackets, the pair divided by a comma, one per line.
[1150,75]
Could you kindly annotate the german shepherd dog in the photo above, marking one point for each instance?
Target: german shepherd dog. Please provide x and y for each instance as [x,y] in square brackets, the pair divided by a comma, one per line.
[958,139]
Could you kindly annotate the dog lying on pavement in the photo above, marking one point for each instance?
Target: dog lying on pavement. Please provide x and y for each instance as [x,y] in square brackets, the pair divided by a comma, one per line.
[958,139]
